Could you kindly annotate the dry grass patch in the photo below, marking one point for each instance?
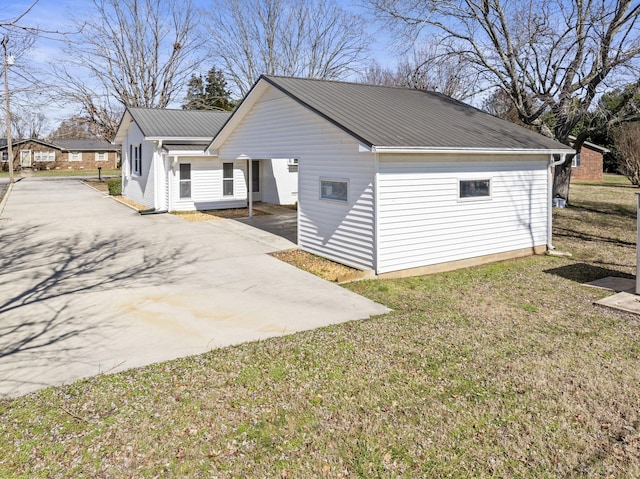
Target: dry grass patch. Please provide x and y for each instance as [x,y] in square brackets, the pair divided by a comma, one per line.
[208,215]
[326,269]
[504,370]
[100,185]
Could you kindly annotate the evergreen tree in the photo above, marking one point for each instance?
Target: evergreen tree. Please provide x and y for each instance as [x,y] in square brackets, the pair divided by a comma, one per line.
[209,93]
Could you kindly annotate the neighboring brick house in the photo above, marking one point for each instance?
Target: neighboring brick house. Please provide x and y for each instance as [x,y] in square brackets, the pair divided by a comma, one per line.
[63,154]
[587,165]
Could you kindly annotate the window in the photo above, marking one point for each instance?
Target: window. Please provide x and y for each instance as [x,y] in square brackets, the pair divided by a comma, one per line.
[227,179]
[5,156]
[475,189]
[130,158]
[135,159]
[575,161]
[101,156]
[75,156]
[337,190]
[44,156]
[185,180]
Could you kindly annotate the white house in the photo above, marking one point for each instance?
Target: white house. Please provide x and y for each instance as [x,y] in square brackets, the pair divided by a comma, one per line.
[165,166]
[392,179]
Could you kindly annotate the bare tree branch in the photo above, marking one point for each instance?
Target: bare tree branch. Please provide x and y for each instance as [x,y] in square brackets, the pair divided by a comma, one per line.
[304,38]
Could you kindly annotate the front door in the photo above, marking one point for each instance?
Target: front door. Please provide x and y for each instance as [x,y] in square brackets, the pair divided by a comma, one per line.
[25,158]
[255,180]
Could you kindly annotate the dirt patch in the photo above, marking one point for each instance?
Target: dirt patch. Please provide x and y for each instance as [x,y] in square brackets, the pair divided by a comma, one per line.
[313,264]
[208,215]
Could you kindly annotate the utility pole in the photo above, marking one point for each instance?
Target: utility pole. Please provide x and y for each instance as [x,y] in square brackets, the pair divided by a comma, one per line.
[7,60]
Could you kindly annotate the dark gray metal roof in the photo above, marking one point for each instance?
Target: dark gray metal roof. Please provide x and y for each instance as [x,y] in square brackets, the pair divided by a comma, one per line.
[85,144]
[179,123]
[400,117]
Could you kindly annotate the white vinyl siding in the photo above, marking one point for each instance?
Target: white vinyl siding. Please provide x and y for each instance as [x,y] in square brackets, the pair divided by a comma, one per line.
[423,222]
[140,187]
[207,186]
[278,127]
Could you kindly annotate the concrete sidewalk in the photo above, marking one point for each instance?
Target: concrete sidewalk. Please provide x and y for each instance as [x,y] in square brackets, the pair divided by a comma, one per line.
[88,286]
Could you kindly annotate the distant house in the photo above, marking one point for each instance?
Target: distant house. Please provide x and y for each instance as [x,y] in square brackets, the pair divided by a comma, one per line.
[587,164]
[61,154]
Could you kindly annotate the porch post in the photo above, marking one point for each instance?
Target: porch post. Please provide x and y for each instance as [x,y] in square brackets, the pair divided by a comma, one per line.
[250,182]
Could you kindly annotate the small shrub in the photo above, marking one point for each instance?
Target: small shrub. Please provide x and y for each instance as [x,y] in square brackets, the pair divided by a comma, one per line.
[115,186]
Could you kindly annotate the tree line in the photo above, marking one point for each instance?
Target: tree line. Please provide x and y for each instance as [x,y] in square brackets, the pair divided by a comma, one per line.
[565,68]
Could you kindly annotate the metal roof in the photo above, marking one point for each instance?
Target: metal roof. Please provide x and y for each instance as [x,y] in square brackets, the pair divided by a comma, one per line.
[384,116]
[160,123]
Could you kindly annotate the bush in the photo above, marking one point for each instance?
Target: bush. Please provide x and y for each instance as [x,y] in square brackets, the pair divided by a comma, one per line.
[115,186]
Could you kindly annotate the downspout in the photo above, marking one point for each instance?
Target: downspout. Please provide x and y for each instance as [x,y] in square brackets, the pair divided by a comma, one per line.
[552,164]
[250,183]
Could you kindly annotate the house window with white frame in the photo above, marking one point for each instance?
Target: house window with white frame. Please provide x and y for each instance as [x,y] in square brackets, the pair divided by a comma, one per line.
[44,155]
[334,189]
[101,156]
[227,179]
[75,156]
[474,189]
[575,161]
[185,180]
[5,156]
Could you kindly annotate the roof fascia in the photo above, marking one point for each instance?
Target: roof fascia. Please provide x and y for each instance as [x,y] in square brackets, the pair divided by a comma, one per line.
[478,151]
[189,139]
[122,128]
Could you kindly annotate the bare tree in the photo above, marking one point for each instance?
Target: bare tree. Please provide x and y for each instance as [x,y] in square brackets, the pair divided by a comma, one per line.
[304,38]
[552,57]
[130,53]
[627,143]
[26,124]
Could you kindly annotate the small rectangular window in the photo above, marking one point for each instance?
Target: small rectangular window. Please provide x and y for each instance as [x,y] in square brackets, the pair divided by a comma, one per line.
[5,156]
[185,180]
[475,189]
[227,179]
[75,156]
[575,161]
[44,156]
[130,158]
[334,190]
[101,156]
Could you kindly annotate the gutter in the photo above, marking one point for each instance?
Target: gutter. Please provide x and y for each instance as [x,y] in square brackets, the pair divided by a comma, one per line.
[480,151]
[552,164]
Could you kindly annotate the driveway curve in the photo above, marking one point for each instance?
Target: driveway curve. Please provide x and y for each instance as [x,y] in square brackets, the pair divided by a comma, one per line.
[88,286]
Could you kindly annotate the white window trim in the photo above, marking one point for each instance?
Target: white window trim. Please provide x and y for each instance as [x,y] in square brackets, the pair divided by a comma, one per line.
[475,198]
[4,157]
[335,180]
[50,156]
[104,155]
[575,161]
[232,178]
[72,153]
[181,181]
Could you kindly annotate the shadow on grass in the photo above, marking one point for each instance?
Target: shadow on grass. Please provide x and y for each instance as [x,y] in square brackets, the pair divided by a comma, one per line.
[585,272]
[608,209]
[575,234]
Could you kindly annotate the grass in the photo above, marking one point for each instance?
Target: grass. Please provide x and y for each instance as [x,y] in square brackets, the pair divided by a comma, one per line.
[49,173]
[504,370]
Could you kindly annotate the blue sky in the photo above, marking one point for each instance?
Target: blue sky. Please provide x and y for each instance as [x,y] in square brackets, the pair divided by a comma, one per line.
[56,15]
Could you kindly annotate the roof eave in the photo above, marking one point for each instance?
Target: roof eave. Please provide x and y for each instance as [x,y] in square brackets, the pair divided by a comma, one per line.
[480,151]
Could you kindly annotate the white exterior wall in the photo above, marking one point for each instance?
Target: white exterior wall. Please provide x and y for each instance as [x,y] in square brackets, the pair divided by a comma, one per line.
[279,182]
[278,127]
[422,221]
[139,188]
[206,185]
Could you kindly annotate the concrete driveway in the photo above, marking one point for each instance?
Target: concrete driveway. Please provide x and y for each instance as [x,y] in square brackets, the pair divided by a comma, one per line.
[88,286]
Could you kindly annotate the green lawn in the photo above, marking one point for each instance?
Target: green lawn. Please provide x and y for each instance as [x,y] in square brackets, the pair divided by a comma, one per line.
[38,173]
[505,370]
